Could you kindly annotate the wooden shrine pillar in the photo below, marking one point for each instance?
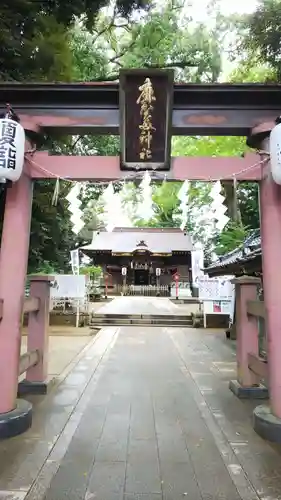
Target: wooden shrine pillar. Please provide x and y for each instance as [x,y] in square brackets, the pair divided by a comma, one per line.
[267,419]
[13,268]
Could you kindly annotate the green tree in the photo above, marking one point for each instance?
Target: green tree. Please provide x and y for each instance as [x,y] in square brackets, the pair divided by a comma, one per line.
[262,37]
[246,192]
[164,37]
[34,34]
[165,207]
[257,55]
[51,236]
[230,238]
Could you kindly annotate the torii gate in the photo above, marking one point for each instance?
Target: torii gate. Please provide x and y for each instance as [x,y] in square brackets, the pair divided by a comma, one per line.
[103,108]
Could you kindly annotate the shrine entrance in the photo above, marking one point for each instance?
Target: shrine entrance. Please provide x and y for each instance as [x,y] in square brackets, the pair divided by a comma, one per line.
[145,108]
[141,277]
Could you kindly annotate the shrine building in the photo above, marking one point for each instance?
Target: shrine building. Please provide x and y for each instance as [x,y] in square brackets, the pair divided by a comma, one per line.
[142,256]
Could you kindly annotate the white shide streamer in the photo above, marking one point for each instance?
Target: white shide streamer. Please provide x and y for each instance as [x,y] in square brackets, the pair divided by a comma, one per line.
[183,197]
[113,211]
[145,209]
[217,206]
[74,208]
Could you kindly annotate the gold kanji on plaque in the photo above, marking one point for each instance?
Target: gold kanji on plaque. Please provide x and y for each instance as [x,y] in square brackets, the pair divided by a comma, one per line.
[146,99]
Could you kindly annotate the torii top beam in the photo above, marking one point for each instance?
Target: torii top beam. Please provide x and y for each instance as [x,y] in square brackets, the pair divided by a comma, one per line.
[83,108]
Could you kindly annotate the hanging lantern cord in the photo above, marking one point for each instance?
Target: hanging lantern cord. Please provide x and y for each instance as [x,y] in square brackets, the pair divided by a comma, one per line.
[10,113]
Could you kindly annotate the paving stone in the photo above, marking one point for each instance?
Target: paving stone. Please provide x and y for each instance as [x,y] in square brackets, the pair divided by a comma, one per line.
[43,480]
[20,465]
[103,494]
[143,477]
[116,428]
[12,495]
[75,468]
[142,450]
[179,481]
[107,477]
[112,451]
[143,496]
[172,450]
[142,429]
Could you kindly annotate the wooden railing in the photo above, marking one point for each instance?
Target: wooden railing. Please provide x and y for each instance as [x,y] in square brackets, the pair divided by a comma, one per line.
[31,358]
[252,367]
[256,308]
[31,304]
[256,363]
[34,361]
[258,366]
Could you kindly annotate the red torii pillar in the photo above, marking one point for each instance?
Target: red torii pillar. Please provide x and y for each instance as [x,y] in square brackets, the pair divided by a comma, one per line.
[13,268]
[267,419]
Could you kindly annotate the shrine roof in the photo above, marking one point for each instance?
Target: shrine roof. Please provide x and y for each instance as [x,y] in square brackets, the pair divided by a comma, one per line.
[128,240]
[241,256]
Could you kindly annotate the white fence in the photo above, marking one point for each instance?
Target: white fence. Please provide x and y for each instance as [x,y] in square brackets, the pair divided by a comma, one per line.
[146,290]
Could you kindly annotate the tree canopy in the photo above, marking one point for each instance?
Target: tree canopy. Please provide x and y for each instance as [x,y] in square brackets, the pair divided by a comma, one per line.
[194,51]
[34,36]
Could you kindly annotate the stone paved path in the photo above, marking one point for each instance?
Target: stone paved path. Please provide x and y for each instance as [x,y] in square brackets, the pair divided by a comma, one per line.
[142,305]
[145,414]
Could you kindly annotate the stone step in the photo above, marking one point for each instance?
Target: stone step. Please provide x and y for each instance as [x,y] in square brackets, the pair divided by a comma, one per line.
[96,316]
[140,321]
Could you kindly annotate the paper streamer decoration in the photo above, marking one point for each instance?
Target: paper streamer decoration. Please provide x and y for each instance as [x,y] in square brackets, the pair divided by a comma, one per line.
[74,208]
[218,206]
[183,197]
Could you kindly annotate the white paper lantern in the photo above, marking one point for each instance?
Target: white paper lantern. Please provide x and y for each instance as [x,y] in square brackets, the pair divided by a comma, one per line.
[12,143]
[275,153]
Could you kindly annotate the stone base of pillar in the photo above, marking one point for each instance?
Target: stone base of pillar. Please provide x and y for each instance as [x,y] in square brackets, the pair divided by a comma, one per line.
[17,421]
[266,424]
[35,388]
[254,392]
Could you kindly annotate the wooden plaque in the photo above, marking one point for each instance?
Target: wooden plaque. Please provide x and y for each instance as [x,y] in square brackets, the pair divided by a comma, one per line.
[145,103]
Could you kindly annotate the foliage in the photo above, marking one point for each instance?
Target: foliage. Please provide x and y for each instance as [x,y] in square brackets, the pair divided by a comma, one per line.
[92,218]
[94,272]
[45,268]
[230,238]
[209,146]
[165,207]
[247,72]
[264,34]
[163,38]
[51,236]
[248,200]
[258,55]
[32,47]
[34,34]
[247,192]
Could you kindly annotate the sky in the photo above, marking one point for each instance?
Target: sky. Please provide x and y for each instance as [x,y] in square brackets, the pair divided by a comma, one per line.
[199,8]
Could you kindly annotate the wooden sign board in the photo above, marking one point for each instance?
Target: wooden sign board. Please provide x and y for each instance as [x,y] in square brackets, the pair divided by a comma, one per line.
[145,103]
